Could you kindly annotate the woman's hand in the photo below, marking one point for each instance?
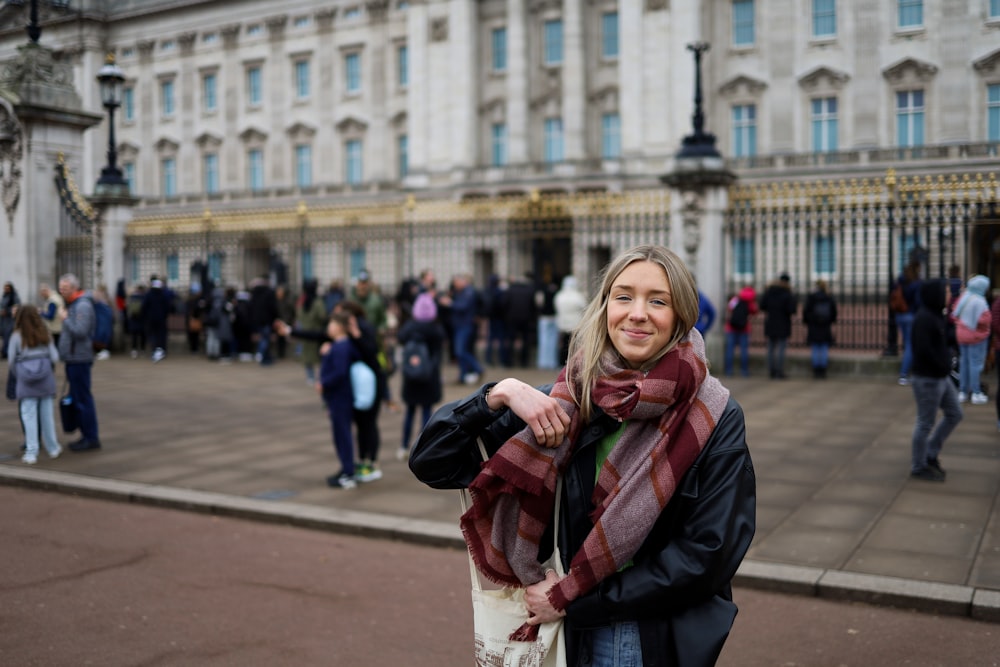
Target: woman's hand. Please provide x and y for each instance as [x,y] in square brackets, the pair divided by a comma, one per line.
[542,413]
[536,600]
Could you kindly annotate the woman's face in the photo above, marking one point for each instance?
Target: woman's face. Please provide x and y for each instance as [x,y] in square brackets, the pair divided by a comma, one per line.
[641,318]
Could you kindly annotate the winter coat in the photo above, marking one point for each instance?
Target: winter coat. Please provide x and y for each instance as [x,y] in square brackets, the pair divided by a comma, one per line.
[312,319]
[44,356]
[749,295]
[678,587]
[432,333]
[263,307]
[778,303]
[76,342]
[818,331]
[971,313]
[929,338]
[570,303]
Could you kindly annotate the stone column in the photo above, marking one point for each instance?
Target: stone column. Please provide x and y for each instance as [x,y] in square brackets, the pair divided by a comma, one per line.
[517,83]
[416,96]
[573,86]
[109,247]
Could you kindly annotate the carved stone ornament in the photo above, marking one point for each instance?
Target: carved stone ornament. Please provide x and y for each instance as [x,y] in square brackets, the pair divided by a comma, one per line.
[909,67]
[657,5]
[439,29]
[691,213]
[11,155]
[823,76]
[989,64]
[36,64]
[742,84]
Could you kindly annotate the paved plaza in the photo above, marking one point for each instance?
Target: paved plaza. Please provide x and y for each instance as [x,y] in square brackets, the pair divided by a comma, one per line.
[837,515]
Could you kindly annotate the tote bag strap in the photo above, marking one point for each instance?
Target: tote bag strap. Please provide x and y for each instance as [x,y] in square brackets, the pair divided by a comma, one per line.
[556,555]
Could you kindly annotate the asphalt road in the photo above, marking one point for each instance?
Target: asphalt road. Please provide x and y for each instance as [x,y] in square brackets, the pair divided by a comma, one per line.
[94,582]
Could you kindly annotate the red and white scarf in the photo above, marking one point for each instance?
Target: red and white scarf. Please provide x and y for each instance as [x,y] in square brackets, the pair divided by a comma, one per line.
[671,412]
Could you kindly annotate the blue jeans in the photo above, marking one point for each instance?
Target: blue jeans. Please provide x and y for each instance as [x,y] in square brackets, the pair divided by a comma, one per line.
[931,394]
[78,375]
[467,362]
[31,409]
[904,323]
[264,346]
[548,343]
[971,359]
[732,340]
[820,355]
[776,356]
[617,645]
[411,410]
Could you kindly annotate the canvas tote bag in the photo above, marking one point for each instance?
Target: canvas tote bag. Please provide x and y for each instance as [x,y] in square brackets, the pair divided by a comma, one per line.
[498,613]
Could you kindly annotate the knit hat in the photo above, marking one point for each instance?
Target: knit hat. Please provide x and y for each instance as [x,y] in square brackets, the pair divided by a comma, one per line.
[424,308]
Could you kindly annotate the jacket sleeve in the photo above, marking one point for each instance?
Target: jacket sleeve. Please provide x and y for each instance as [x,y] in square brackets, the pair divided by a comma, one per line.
[695,548]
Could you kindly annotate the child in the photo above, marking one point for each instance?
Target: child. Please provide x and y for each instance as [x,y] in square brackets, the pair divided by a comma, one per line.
[32,354]
[335,387]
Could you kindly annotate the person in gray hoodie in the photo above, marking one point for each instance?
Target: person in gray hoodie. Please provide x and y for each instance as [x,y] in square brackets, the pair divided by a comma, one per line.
[76,349]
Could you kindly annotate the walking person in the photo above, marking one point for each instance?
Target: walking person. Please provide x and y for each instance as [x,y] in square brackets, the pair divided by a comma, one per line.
[462,302]
[779,306]
[658,494]
[334,386]
[156,307]
[76,349]
[739,310]
[819,315]
[706,314]
[570,303]
[263,313]
[422,342]
[931,384]
[32,356]
[972,319]
[133,317]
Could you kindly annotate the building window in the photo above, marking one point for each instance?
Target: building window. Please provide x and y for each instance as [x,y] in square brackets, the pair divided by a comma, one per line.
[611,136]
[255,167]
[211,175]
[352,66]
[995,9]
[134,264]
[254,30]
[906,248]
[824,124]
[128,103]
[403,154]
[307,263]
[173,267]
[824,18]
[993,111]
[167,98]
[303,165]
[215,267]
[553,42]
[403,66]
[743,28]
[743,255]
[609,34]
[553,140]
[499,42]
[168,168]
[498,144]
[210,38]
[254,90]
[302,22]
[911,13]
[128,171]
[744,130]
[825,257]
[354,167]
[301,79]
[910,118]
[209,99]
[352,13]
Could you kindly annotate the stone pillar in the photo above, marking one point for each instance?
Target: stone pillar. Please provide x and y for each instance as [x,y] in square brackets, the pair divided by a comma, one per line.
[573,92]
[417,103]
[517,83]
[109,241]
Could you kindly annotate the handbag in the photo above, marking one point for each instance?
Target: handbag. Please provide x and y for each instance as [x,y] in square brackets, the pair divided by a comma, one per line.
[68,414]
[498,613]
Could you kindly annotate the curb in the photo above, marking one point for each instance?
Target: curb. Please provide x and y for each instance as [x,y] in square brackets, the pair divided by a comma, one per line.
[923,596]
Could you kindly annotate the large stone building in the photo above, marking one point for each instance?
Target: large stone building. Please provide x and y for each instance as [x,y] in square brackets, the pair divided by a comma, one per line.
[314,138]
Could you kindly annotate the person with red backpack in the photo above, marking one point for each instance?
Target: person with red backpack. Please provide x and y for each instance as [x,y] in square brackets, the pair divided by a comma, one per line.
[739,310]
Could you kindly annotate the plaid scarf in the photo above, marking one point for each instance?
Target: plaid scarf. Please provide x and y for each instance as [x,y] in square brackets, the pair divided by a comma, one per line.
[671,412]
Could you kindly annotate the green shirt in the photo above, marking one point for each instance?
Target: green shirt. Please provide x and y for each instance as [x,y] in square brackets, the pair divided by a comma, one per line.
[604,448]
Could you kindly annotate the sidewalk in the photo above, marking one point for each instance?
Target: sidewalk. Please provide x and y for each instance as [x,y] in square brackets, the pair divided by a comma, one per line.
[837,515]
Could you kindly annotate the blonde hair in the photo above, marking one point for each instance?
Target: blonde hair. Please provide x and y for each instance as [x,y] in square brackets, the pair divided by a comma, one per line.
[591,339]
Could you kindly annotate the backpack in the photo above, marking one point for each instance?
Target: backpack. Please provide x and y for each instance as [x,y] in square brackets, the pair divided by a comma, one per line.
[897,300]
[740,315]
[417,366]
[363,385]
[104,326]
[822,313]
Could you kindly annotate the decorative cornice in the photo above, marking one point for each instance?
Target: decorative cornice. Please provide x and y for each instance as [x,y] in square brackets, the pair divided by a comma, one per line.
[145,47]
[834,78]
[186,41]
[230,35]
[751,85]
[988,64]
[300,129]
[377,9]
[208,140]
[74,203]
[252,134]
[276,25]
[351,124]
[439,29]
[164,145]
[325,17]
[923,71]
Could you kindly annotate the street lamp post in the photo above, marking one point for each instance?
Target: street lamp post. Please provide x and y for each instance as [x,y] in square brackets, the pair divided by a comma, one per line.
[700,143]
[112,79]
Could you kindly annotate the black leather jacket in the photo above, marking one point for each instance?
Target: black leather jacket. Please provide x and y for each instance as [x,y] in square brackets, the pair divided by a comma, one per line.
[678,588]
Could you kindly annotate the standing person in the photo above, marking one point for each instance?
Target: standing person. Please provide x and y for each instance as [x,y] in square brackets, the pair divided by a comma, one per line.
[819,314]
[496,337]
[194,316]
[779,306]
[286,312]
[521,315]
[156,308]
[334,295]
[658,500]
[570,303]
[932,386]
[133,316]
[366,293]
[52,303]
[76,349]
[334,386]
[739,310]
[421,377]
[8,304]
[706,314]
[310,314]
[904,308]
[32,356]
[462,302]
[362,335]
[972,318]
[242,326]
[548,330]
[263,314]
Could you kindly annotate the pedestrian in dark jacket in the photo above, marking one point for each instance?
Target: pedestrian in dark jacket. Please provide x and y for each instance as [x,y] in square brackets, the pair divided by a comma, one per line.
[779,306]
[819,314]
[930,379]
[658,494]
[263,314]
[156,307]
[522,319]
[422,392]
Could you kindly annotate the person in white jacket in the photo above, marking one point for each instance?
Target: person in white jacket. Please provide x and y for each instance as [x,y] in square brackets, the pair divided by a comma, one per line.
[972,318]
[569,303]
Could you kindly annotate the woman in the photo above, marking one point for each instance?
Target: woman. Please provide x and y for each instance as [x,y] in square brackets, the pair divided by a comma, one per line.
[972,318]
[819,314]
[422,341]
[32,356]
[310,314]
[9,302]
[653,544]
[909,287]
